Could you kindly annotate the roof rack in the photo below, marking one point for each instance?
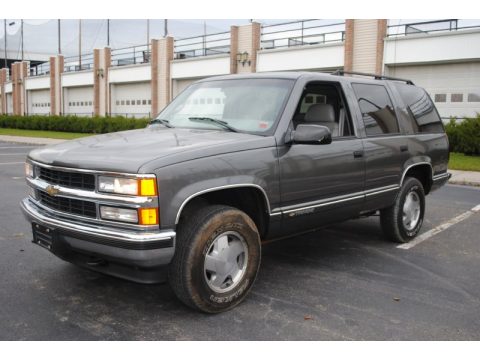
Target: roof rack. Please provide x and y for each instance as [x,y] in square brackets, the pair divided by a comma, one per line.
[375,76]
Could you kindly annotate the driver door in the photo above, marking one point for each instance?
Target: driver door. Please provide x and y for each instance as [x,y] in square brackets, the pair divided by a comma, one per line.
[324,183]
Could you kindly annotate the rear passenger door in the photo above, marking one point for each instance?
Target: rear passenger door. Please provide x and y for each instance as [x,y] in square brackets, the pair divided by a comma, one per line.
[385,147]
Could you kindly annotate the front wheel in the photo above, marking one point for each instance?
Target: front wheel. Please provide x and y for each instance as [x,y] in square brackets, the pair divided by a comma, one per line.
[402,221]
[216,259]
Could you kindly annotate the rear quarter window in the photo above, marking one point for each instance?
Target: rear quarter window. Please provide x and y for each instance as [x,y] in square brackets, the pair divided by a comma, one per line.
[422,112]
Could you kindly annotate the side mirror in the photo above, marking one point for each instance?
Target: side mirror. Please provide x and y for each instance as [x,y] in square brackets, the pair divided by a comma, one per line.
[312,134]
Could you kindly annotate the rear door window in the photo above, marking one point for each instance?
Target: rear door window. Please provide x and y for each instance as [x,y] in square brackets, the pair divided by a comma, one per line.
[377,110]
[423,115]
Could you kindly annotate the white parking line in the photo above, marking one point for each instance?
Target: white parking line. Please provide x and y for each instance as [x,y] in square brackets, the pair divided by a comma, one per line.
[439,228]
[13,163]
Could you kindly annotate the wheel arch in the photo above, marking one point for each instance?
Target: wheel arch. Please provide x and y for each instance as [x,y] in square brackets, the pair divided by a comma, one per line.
[423,171]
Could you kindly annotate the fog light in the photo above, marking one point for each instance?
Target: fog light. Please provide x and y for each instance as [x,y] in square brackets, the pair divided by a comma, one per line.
[148,216]
[119,214]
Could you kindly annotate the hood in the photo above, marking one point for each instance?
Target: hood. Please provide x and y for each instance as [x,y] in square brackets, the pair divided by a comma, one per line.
[127,151]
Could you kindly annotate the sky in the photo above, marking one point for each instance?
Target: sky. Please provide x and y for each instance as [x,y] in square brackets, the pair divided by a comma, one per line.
[41,36]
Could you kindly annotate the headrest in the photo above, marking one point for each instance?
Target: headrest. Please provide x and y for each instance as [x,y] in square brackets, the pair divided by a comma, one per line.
[320,113]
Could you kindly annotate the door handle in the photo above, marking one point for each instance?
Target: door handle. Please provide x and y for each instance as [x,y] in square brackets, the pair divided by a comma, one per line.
[357,154]
[403,148]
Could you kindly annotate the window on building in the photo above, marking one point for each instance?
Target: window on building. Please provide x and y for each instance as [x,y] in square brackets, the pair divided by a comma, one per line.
[81,103]
[123,102]
[149,102]
[133,102]
[422,113]
[139,102]
[144,102]
[440,98]
[90,103]
[474,97]
[377,109]
[117,102]
[456,97]
[128,102]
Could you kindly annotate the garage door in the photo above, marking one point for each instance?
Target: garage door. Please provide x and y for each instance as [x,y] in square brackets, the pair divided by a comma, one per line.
[38,101]
[132,99]
[455,88]
[78,100]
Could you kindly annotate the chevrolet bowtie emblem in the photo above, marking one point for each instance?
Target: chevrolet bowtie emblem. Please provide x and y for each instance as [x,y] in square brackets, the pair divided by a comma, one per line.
[52,190]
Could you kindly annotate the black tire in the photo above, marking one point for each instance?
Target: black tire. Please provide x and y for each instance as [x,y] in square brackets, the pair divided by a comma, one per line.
[391,218]
[195,237]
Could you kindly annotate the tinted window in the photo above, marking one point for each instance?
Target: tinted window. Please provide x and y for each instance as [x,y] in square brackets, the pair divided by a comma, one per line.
[422,112]
[377,110]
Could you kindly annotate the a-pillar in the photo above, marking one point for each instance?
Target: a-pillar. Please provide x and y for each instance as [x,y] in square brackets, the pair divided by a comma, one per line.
[19,74]
[161,57]
[3,80]
[364,43]
[102,60]
[244,45]
[56,70]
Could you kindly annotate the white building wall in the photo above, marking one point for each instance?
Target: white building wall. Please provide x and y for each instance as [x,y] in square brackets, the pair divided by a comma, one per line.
[453,46]
[301,58]
[81,78]
[9,103]
[200,67]
[130,73]
[37,82]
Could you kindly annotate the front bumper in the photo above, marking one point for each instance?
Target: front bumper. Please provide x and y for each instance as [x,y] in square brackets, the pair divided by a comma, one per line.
[140,256]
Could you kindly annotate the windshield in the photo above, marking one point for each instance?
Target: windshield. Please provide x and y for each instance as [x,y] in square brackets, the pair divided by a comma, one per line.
[246,105]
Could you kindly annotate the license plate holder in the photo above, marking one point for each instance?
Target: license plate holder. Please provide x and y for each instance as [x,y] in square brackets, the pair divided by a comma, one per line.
[43,236]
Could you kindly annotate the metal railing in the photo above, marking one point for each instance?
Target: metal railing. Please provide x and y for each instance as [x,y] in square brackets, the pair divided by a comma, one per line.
[428,27]
[301,33]
[40,69]
[203,45]
[73,63]
[139,54]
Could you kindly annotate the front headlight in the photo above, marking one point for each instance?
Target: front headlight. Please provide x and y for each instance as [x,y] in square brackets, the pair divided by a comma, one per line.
[127,186]
[119,214]
[28,170]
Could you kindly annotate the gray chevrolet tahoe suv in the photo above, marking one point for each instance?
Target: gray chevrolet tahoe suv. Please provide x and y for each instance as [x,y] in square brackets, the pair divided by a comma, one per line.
[229,163]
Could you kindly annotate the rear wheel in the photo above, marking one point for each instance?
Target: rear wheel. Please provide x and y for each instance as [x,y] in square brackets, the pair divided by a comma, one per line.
[216,259]
[402,221]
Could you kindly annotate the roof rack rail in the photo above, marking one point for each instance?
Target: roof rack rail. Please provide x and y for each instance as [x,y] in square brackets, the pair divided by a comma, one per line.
[375,76]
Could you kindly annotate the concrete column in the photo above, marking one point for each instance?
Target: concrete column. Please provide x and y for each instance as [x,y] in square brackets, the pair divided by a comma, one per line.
[364,40]
[19,73]
[3,80]
[161,57]
[101,64]
[233,49]
[245,43]
[348,46]
[56,70]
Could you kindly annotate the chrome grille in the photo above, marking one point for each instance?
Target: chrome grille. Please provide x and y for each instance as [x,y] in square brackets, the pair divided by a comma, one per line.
[72,206]
[69,179]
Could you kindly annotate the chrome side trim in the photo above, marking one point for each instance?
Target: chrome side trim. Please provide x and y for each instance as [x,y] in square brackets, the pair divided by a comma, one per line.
[35,214]
[381,190]
[442,176]
[79,194]
[413,165]
[325,203]
[87,171]
[185,202]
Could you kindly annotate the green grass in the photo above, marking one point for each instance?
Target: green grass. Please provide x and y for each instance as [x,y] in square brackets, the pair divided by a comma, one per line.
[42,134]
[460,161]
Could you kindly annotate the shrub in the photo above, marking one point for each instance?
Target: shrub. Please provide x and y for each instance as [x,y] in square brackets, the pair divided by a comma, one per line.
[464,136]
[72,123]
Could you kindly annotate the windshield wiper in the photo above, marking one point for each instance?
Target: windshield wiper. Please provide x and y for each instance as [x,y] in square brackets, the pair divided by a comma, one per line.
[161,121]
[214,121]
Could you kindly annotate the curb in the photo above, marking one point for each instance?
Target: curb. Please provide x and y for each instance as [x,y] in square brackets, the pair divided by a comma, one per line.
[30,140]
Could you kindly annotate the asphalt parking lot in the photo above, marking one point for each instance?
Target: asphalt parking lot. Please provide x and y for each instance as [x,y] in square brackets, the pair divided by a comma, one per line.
[344,282]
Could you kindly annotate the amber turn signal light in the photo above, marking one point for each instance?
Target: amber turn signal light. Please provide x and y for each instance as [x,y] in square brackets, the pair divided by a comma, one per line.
[148,216]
